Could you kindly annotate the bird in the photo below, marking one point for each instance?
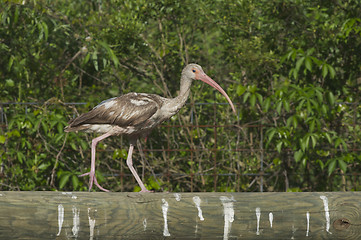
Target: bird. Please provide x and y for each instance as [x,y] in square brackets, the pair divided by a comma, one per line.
[135,115]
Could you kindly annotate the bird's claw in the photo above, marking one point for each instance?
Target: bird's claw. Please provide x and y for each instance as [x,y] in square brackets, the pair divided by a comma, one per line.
[92,179]
[84,174]
[146,191]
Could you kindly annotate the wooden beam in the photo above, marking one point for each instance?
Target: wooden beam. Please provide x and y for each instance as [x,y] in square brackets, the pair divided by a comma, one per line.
[97,215]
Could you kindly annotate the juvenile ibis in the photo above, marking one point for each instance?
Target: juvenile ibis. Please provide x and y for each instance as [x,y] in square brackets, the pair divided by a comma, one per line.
[135,115]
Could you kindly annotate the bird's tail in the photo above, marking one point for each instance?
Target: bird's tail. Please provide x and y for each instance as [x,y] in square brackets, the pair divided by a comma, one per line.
[71,128]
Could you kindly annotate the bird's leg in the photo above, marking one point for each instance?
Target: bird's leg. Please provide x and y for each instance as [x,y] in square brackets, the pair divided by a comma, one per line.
[130,165]
[92,166]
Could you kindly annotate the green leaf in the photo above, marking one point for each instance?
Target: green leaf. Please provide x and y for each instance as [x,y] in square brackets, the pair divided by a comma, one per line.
[307,141]
[245,96]
[328,137]
[252,100]
[43,166]
[75,181]
[308,64]
[11,62]
[153,184]
[279,147]
[95,60]
[312,125]
[20,156]
[322,165]
[289,121]
[298,155]
[293,54]
[340,141]
[299,63]
[63,180]
[331,98]
[260,98]
[100,177]
[58,137]
[342,165]
[304,142]
[331,166]
[332,71]
[270,134]
[286,105]
[317,61]
[319,95]
[295,73]
[113,57]
[324,70]
[60,127]
[279,107]
[73,146]
[9,83]
[314,141]
[46,30]
[86,58]
[295,189]
[266,104]
[2,139]
[84,145]
[241,89]
[324,109]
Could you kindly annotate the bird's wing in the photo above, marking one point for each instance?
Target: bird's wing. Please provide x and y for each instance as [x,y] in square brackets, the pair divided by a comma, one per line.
[127,110]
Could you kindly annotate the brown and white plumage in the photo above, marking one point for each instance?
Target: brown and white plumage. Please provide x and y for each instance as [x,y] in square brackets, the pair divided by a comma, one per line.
[135,115]
[131,113]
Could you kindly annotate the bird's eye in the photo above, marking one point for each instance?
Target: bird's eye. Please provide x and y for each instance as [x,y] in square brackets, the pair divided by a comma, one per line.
[194,70]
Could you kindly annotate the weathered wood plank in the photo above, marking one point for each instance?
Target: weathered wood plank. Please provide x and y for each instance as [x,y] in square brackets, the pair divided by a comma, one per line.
[95,215]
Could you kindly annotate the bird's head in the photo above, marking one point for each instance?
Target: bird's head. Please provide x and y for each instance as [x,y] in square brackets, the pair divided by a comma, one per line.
[195,72]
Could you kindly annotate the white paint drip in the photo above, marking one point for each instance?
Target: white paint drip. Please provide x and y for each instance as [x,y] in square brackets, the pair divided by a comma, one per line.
[258,215]
[70,193]
[177,196]
[60,218]
[270,217]
[197,202]
[91,225]
[228,212]
[76,221]
[308,223]
[327,213]
[145,224]
[165,207]
[293,231]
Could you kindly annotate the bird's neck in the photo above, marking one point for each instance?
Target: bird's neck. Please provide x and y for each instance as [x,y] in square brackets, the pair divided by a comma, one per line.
[175,104]
[185,89]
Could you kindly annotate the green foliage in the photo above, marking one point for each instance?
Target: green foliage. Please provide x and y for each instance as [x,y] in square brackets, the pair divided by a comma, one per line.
[293,68]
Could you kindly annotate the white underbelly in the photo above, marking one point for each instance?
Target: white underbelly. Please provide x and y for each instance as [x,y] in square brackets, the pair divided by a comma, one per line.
[99,128]
[105,128]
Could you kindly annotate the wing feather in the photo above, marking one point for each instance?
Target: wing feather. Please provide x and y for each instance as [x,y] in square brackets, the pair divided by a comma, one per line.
[131,109]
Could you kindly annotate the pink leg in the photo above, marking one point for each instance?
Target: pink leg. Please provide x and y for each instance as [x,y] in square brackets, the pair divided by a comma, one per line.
[92,166]
[130,165]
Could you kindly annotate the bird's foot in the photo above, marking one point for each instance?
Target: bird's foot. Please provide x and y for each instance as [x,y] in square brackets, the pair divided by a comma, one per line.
[145,190]
[93,179]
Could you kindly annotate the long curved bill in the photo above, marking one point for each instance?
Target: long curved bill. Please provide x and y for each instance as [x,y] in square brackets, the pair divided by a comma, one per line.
[204,77]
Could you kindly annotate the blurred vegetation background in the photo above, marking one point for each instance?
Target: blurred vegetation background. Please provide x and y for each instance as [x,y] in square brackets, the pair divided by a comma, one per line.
[292,67]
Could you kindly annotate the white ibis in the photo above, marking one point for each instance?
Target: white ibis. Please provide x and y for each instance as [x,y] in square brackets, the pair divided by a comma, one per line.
[135,115]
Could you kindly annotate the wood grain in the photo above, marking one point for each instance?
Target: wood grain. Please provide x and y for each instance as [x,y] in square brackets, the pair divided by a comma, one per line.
[95,215]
